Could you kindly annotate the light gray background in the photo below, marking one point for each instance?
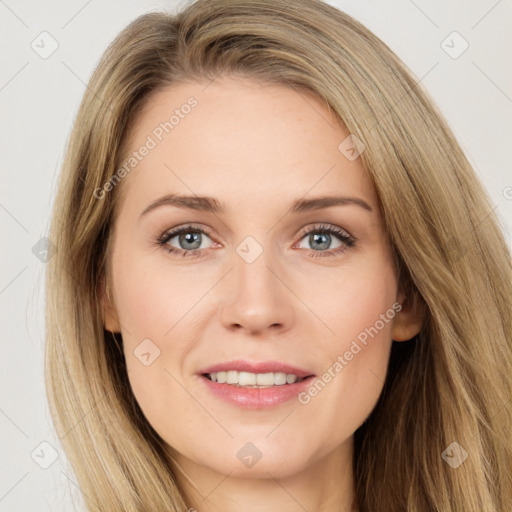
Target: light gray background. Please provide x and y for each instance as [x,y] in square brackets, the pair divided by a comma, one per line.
[39,99]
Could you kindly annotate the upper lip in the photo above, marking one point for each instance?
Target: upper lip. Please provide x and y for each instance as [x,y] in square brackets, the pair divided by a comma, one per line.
[257,367]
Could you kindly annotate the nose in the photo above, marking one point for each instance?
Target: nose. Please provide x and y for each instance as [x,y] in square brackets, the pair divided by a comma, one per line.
[257,298]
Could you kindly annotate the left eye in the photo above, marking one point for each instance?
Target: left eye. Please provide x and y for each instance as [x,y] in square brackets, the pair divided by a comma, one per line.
[321,240]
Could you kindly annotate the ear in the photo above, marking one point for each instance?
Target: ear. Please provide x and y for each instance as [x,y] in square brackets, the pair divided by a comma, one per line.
[110,318]
[409,319]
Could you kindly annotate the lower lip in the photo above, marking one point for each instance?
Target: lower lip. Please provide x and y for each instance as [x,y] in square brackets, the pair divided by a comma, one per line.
[257,398]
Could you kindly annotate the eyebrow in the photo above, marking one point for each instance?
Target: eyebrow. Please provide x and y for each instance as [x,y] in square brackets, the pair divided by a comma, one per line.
[212,205]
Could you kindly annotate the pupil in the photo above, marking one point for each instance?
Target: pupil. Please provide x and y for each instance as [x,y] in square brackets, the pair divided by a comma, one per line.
[318,238]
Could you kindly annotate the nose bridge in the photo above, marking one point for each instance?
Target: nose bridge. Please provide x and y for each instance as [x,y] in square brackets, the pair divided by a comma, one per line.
[258,299]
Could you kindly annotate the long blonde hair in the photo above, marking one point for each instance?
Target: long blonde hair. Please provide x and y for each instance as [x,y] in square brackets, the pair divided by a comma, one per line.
[451,384]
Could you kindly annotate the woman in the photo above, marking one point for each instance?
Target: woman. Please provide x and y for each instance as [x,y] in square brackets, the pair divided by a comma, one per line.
[338,334]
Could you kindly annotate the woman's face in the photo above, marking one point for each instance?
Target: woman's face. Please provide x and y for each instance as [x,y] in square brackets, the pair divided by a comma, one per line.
[283,276]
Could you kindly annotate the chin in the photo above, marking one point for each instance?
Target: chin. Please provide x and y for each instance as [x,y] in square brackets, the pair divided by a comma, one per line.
[262,469]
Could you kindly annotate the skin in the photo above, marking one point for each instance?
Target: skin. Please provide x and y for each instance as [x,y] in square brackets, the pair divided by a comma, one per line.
[257,148]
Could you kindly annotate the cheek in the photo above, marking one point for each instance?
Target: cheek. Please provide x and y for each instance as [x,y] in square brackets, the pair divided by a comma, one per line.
[155,304]
[153,298]
[361,314]
[364,328]
[353,299]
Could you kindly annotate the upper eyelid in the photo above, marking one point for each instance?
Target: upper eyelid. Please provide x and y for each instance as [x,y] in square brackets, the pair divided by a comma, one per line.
[323,226]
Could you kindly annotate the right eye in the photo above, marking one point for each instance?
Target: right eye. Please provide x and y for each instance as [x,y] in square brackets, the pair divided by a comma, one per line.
[188,238]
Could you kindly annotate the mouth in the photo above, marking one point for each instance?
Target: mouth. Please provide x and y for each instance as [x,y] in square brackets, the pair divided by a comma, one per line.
[255,385]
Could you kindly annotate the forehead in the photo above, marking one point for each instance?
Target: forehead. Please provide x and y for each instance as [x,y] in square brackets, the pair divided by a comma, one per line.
[237,139]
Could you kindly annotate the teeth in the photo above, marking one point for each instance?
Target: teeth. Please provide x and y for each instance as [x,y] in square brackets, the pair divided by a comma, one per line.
[290,378]
[265,379]
[254,379]
[246,379]
[232,377]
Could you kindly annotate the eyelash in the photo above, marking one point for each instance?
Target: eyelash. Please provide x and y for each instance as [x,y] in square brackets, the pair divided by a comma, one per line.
[344,237]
